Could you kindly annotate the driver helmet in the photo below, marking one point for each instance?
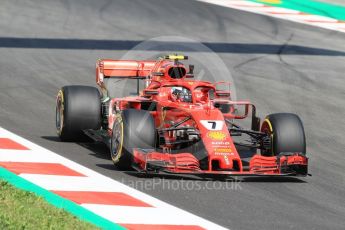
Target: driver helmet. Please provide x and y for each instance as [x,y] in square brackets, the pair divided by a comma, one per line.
[181,94]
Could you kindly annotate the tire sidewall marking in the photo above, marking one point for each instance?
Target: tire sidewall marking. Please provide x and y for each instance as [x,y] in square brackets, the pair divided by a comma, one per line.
[60,104]
[118,155]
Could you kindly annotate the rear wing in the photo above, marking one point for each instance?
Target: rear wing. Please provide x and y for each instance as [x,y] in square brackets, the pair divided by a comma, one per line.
[106,68]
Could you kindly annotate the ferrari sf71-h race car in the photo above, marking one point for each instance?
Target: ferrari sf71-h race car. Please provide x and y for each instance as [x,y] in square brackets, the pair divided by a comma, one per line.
[179,125]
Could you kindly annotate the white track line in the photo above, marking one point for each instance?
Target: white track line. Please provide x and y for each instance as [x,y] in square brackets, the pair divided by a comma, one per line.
[143,215]
[72,183]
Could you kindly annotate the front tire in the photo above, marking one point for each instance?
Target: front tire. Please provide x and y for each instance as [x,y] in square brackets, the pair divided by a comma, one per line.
[286,134]
[77,108]
[132,129]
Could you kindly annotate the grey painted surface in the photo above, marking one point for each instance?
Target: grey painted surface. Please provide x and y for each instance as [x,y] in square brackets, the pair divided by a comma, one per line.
[279,65]
[334,2]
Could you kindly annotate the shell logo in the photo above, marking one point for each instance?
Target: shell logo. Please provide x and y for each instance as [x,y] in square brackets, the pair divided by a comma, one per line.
[216,135]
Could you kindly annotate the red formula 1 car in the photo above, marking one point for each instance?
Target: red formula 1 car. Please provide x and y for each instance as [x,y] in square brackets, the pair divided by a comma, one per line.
[179,125]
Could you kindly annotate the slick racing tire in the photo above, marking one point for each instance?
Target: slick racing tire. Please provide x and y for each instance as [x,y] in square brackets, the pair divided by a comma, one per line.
[285,132]
[132,129]
[77,108]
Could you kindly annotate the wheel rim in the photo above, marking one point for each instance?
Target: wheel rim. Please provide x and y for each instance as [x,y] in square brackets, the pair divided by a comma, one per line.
[267,128]
[117,140]
[59,115]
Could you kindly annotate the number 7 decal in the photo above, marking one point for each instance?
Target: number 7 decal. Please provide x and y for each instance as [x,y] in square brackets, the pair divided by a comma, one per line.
[212,124]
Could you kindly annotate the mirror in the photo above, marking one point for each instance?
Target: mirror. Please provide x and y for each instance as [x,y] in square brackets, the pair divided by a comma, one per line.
[223,94]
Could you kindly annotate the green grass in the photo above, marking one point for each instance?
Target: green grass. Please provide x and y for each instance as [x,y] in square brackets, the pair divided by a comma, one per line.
[20,209]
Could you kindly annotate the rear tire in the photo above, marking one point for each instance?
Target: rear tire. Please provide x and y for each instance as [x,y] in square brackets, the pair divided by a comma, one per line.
[132,129]
[77,108]
[286,134]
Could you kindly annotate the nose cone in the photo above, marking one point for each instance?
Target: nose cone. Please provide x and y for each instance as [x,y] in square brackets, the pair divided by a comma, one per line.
[221,162]
[222,153]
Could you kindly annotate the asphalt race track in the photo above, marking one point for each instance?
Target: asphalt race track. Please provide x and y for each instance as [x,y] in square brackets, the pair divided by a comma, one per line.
[279,65]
